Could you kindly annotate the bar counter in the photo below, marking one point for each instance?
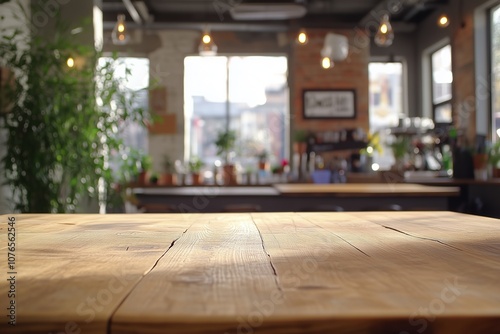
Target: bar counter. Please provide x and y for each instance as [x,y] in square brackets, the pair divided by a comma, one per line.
[369,272]
[298,197]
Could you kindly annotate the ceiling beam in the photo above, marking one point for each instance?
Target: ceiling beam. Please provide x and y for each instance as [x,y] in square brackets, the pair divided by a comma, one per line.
[134,14]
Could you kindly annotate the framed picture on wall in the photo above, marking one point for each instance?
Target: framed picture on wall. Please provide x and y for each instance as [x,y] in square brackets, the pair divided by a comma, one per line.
[331,103]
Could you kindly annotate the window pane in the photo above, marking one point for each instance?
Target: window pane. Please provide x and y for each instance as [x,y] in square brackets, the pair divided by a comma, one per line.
[257,106]
[386,94]
[386,104]
[442,76]
[495,65]
[442,113]
[204,104]
[134,136]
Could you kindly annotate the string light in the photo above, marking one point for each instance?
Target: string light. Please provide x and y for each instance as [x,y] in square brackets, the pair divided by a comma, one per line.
[70,62]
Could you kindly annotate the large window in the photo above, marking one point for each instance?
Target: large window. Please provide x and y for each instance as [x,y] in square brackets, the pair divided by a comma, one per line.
[495,69]
[134,73]
[246,94]
[386,104]
[442,78]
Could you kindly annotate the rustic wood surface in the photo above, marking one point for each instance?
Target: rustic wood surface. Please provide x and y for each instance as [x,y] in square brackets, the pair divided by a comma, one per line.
[356,272]
[365,189]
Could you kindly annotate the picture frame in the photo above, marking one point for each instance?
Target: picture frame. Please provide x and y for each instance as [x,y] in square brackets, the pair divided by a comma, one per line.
[329,103]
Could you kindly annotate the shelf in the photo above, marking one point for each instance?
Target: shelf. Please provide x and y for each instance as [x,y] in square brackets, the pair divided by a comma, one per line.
[347,145]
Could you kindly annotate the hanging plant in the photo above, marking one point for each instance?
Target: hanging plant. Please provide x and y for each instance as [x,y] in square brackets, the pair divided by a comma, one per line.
[62,121]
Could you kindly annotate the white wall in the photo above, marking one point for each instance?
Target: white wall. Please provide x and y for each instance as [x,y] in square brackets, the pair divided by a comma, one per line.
[167,68]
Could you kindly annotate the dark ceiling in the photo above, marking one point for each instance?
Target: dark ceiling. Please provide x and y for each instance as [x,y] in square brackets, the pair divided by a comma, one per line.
[196,14]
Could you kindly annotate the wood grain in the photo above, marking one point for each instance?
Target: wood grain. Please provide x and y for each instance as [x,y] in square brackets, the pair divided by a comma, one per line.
[74,270]
[364,190]
[356,272]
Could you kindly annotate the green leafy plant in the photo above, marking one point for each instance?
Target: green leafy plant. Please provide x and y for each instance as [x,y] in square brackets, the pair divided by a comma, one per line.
[61,121]
[494,154]
[168,165]
[300,136]
[225,143]
[263,156]
[146,162]
[400,146]
[195,165]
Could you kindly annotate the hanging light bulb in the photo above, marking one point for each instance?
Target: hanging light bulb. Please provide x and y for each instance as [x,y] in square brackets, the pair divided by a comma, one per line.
[327,62]
[385,34]
[302,37]
[120,35]
[207,46]
[443,21]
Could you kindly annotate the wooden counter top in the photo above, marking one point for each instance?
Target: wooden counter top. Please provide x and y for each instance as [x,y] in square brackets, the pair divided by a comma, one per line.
[368,189]
[371,272]
[209,191]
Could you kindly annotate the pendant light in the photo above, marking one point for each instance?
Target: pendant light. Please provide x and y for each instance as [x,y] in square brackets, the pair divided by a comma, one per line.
[302,37]
[443,21]
[120,34]
[385,35]
[207,46]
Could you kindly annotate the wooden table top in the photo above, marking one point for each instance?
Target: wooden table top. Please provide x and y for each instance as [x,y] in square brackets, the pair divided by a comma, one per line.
[366,189]
[358,272]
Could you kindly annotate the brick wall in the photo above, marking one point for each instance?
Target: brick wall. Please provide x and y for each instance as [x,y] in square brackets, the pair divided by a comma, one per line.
[307,73]
[167,69]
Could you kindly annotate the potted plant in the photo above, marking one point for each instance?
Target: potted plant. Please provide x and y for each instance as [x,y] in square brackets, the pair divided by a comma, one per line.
[300,141]
[153,179]
[225,145]
[49,115]
[145,166]
[263,160]
[195,165]
[494,159]
[400,146]
[168,176]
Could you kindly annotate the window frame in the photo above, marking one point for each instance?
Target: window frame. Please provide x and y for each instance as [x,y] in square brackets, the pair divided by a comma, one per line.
[385,160]
[435,105]
[494,131]
[228,112]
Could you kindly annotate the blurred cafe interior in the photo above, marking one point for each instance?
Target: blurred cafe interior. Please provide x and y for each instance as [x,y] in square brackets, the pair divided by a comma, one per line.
[310,105]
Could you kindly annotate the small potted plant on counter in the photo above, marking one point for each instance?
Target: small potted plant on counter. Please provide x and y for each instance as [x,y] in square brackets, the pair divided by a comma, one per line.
[168,177]
[145,166]
[494,159]
[263,160]
[300,141]
[225,143]
[195,166]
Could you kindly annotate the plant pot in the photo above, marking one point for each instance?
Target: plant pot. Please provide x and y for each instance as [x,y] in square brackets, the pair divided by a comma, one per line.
[229,175]
[197,179]
[300,147]
[263,165]
[142,178]
[480,162]
[168,179]
[495,173]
